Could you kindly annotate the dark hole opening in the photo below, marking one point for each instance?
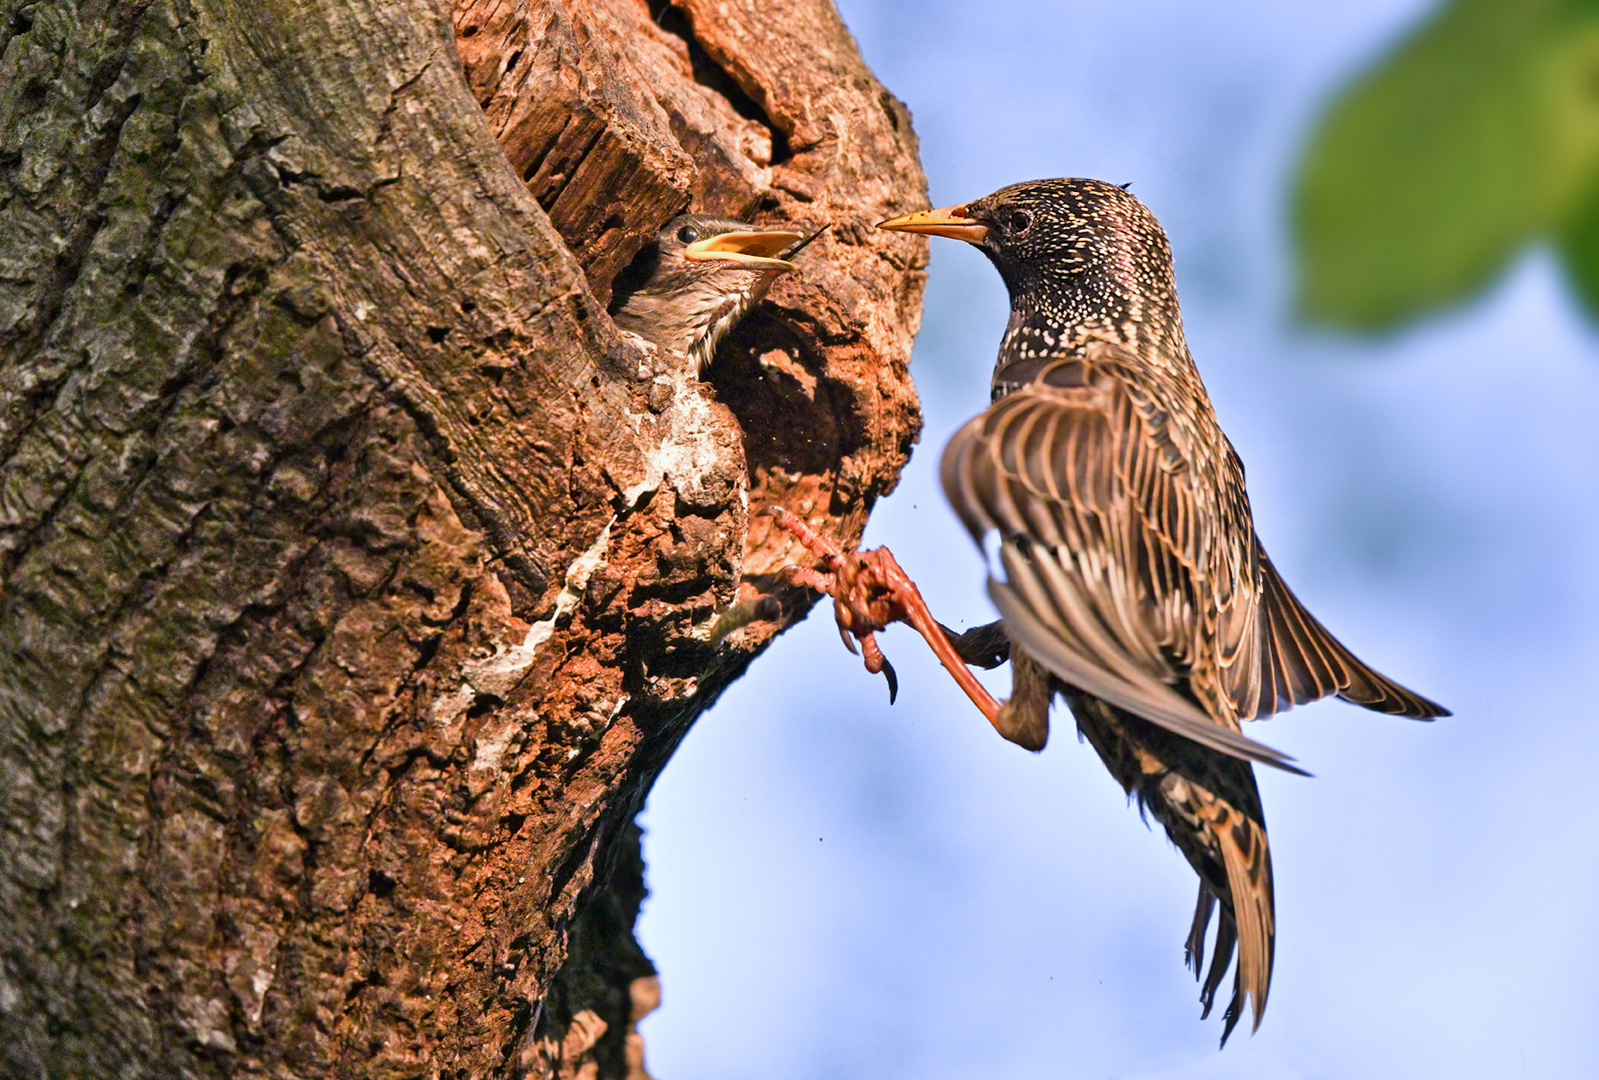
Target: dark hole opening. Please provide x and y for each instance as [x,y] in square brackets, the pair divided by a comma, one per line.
[708,73]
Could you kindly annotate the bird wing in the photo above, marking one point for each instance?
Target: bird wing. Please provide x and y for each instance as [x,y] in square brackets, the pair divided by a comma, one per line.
[1103,542]
[1297,660]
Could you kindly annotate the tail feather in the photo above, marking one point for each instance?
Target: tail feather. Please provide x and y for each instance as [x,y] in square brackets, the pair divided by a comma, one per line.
[1243,845]
[1226,938]
[1194,949]
[1210,808]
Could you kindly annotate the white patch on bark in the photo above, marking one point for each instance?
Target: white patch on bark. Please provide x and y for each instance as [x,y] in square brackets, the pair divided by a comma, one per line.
[689,447]
[251,968]
[207,1021]
[577,579]
[491,748]
[684,441]
[496,675]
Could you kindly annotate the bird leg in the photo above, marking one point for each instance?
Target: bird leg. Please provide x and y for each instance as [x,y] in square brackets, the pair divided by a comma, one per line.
[986,646]
[1024,718]
[869,591]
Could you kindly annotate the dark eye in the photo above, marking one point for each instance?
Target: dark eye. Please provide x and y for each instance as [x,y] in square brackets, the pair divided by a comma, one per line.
[688,234]
[1018,222]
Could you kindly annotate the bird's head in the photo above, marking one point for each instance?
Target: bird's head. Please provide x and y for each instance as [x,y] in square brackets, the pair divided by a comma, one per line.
[699,275]
[1074,251]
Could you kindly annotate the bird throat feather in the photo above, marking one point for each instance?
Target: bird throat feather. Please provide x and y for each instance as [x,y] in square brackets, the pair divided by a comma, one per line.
[690,315]
[720,314]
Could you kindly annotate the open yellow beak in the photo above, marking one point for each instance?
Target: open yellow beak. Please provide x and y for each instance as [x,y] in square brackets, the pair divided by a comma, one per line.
[951,221]
[754,249]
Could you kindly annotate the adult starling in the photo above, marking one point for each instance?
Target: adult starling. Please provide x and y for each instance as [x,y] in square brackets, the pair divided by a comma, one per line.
[691,284]
[1135,586]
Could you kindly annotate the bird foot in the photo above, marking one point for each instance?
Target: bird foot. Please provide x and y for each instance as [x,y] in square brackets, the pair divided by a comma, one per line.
[869,591]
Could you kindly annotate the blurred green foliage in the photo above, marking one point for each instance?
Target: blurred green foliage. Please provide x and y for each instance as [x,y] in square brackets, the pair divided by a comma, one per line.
[1477,135]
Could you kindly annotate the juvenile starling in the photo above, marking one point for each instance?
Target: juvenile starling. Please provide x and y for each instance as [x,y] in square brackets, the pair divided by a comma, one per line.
[1135,586]
[691,284]
[682,293]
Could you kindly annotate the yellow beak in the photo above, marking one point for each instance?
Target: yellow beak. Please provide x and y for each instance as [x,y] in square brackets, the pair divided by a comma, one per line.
[753,249]
[951,221]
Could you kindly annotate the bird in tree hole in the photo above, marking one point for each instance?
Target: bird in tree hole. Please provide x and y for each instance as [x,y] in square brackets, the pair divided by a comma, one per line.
[1134,585]
[696,279]
[681,295]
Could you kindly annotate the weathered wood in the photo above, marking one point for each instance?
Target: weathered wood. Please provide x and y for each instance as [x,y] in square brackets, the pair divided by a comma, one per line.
[357,584]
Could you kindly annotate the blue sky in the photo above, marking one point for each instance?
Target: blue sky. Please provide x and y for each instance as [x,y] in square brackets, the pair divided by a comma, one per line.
[841,889]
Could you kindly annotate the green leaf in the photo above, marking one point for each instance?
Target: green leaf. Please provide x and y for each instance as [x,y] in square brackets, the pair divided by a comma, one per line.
[1578,244]
[1478,134]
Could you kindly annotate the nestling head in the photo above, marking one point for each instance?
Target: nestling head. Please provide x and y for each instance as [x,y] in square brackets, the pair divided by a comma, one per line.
[690,284]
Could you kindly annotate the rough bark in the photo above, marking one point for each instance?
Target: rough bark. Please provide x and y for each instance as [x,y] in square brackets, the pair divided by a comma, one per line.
[357,584]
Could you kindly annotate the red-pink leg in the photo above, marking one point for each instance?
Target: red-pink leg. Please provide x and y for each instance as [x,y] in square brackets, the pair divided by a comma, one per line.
[877,662]
[921,619]
[811,579]
[814,542]
[870,590]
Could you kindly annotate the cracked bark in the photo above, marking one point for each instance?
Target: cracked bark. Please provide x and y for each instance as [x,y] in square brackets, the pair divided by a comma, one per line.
[356,585]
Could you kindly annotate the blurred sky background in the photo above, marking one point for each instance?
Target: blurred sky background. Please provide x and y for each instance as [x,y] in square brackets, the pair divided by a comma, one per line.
[841,889]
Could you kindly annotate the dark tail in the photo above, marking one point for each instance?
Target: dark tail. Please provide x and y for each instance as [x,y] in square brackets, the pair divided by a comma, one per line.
[1210,808]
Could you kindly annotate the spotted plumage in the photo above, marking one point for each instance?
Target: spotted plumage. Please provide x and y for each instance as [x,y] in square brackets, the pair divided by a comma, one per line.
[1134,585]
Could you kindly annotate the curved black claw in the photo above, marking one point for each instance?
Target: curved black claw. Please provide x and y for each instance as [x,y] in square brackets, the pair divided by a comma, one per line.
[893,680]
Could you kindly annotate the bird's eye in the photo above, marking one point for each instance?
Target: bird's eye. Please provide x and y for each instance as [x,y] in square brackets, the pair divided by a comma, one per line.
[1018,222]
[688,234]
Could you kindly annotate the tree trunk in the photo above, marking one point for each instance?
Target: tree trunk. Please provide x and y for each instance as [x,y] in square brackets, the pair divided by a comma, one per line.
[357,585]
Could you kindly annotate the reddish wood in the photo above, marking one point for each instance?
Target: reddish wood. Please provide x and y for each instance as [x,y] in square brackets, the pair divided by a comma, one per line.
[356,587]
